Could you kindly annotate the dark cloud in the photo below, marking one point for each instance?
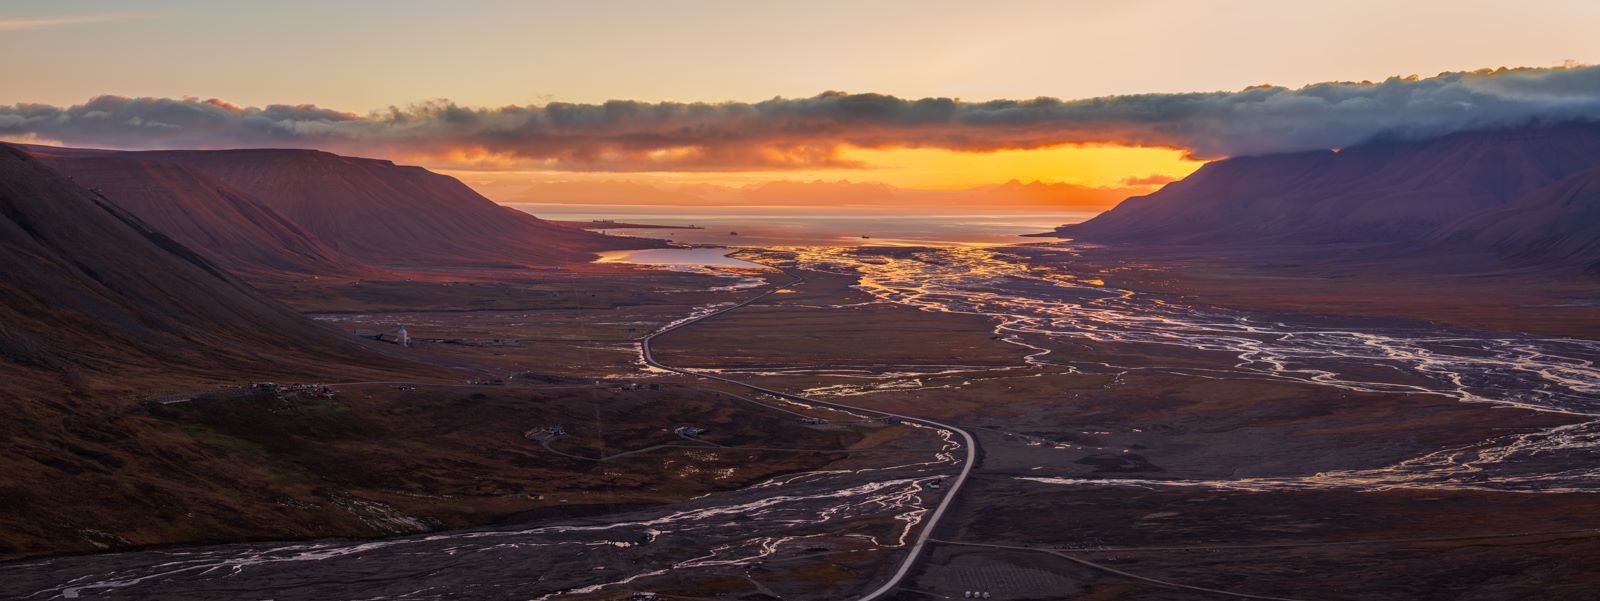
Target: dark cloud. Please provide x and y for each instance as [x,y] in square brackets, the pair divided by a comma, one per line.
[809,132]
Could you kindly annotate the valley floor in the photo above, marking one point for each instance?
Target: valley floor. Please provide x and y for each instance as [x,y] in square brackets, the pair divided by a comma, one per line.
[1142,436]
[1451,287]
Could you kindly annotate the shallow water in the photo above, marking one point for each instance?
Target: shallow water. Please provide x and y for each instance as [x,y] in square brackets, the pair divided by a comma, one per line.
[873,508]
[848,508]
[1514,370]
[714,262]
[816,226]
[709,257]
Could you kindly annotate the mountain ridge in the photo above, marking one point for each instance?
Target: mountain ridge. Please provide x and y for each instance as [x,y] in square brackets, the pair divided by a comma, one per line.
[1557,223]
[393,215]
[368,212]
[91,285]
[229,227]
[1386,192]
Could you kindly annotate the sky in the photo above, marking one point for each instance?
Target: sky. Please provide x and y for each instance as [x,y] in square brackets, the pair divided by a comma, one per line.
[920,95]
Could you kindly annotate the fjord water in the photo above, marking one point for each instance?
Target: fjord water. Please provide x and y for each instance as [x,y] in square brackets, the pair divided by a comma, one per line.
[815,226]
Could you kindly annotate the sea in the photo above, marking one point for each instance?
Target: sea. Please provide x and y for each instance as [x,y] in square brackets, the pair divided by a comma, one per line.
[815,226]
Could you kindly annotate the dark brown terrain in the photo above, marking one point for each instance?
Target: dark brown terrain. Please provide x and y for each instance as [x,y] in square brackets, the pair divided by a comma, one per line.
[1486,229]
[99,309]
[1147,419]
[375,212]
[1382,190]
[230,228]
[93,288]
[1124,452]
[1559,223]
[1474,289]
[389,214]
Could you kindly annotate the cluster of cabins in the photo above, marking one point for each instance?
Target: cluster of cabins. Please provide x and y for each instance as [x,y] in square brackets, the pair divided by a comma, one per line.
[545,434]
[274,389]
[321,391]
[689,431]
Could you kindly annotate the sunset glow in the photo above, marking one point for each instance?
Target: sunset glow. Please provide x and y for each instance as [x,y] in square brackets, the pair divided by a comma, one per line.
[732,300]
[1097,166]
[917,97]
[909,170]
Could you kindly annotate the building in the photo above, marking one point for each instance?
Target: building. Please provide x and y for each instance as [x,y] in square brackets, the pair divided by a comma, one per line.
[401,337]
[545,434]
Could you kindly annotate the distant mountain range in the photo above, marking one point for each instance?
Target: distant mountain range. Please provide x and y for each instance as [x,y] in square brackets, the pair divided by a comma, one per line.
[312,212]
[1528,193]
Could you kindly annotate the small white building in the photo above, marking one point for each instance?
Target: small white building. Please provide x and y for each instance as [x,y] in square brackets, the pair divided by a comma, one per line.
[401,337]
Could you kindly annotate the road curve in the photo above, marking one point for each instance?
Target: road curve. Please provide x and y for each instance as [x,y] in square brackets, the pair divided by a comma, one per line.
[971,444]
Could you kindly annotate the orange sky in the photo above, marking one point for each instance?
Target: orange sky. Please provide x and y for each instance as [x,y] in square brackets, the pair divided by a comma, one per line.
[1099,166]
[908,168]
[362,56]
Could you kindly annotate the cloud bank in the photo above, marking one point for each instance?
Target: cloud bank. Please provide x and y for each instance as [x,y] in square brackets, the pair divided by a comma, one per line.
[1012,195]
[785,133]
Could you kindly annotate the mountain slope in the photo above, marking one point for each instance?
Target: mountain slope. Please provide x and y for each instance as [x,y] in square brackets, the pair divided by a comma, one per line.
[89,286]
[1379,191]
[228,227]
[96,307]
[387,214]
[1558,223]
